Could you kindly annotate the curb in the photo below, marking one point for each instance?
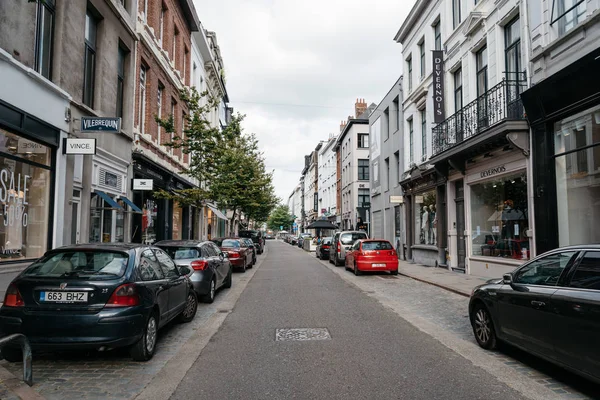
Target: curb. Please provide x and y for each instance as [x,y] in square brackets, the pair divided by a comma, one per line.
[448,288]
[17,387]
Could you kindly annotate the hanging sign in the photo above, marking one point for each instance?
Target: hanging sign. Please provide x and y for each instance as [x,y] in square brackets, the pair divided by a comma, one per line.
[143,184]
[438,86]
[100,124]
[79,146]
[397,199]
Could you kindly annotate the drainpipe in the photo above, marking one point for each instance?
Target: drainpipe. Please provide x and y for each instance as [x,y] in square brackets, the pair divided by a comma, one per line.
[525,14]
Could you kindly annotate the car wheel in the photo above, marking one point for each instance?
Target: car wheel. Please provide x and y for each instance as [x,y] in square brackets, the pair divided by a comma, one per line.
[144,349]
[483,327]
[12,354]
[394,272]
[210,296]
[228,280]
[356,271]
[191,306]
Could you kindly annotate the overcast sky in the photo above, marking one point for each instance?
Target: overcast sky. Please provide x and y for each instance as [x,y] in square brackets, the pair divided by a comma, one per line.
[296,67]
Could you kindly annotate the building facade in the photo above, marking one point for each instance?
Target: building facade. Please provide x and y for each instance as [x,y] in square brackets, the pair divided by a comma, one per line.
[311,186]
[387,166]
[327,192]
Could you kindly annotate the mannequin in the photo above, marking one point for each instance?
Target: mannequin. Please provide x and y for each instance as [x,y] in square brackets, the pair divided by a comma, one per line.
[433,225]
[425,225]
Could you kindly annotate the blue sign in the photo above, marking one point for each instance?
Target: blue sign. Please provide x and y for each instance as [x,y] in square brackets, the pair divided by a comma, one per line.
[295,224]
[99,124]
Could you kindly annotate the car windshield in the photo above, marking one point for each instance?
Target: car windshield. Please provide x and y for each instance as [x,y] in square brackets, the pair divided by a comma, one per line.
[181,253]
[380,245]
[80,264]
[349,238]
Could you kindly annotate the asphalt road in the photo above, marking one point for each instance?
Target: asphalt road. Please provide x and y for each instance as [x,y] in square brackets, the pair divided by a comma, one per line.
[372,354]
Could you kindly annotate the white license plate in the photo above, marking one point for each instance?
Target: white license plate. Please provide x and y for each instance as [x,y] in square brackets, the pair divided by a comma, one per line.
[378,265]
[64,297]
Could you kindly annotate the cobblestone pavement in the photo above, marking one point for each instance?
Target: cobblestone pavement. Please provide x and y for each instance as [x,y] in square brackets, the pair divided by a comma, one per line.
[110,375]
[449,312]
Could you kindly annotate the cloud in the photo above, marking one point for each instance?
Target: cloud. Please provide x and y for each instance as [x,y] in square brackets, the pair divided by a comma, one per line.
[295,68]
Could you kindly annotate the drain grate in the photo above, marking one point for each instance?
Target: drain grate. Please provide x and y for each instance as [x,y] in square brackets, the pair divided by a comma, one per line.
[302,334]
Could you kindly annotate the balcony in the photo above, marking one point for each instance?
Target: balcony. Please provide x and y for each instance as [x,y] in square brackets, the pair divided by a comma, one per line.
[501,103]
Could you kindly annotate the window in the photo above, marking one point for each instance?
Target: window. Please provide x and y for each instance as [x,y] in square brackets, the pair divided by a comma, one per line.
[396,111]
[149,269]
[316,202]
[186,55]
[481,64]
[386,124]
[174,50]
[363,140]
[410,141]
[425,218]
[363,170]
[458,94]
[437,34]
[587,275]
[422,53]
[423,135]
[124,4]
[409,67]
[387,174]
[161,25]
[500,217]
[378,245]
[142,100]
[145,11]
[166,264]
[397,164]
[351,238]
[91,26]
[173,102]
[122,56]
[512,50]
[159,99]
[456,17]
[546,271]
[44,37]
[568,14]
[364,196]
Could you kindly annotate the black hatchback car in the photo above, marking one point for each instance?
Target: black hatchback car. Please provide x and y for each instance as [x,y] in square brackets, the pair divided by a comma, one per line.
[97,296]
[256,236]
[550,307]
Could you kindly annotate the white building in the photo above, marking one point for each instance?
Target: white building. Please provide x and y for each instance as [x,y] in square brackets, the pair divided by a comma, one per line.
[327,168]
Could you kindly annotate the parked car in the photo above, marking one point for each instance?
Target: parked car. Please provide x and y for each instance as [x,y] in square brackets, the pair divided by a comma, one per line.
[294,240]
[342,241]
[549,306]
[372,255]
[97,296]
[269,236]
[252,245]
[302,237]
[257,237]
[210,268]
[322,251]
[240,255]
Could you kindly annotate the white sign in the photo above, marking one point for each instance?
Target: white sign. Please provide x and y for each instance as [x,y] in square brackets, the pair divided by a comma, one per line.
[79,146]
[25,146]
[13,195]
[419,199]
[143,184]
[397,199]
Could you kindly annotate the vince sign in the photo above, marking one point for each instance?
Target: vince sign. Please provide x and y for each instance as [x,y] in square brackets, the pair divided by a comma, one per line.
[438,86]
[79,146]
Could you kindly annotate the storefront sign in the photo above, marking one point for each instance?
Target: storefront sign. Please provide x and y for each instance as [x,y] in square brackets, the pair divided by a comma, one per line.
[13,195]
[25,146]
[419,199]
[438,86]
[98,124]
[79,146]
[493,171]
[143,184]
[397,199]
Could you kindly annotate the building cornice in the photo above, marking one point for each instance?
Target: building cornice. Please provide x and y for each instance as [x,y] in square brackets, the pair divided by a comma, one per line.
[408,24]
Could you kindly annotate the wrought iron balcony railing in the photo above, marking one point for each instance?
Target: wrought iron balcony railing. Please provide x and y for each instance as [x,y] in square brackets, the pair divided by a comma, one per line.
[500,103]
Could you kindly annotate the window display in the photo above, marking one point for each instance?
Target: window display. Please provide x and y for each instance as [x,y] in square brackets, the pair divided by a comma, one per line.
[425,218]
[149,221]
[499,217]
[177,221]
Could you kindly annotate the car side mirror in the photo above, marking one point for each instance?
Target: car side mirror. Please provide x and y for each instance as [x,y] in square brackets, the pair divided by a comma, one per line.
[184,270]
[507,279]
[223,255]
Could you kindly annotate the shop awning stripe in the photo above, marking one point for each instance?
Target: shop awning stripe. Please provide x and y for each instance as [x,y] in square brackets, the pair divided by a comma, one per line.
[130,204]
[217,212]
[109,200]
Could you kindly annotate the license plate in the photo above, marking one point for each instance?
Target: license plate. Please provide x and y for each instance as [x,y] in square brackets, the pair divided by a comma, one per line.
[378,265]
[64,297]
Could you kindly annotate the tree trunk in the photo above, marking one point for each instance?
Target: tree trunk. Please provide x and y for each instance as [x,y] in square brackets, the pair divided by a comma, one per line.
[232,223]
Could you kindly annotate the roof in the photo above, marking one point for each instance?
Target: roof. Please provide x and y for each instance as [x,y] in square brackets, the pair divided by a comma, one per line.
[415,13]
[179,243]
[362,119]
[189,12]
[102,246]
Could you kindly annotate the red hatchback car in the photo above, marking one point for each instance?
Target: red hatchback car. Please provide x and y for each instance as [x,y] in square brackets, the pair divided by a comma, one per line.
[372,255]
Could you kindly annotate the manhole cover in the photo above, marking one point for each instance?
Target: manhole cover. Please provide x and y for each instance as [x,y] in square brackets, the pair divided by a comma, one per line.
[302,334]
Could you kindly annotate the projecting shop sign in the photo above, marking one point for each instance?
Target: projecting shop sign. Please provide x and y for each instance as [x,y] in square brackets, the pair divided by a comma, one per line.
[98,124]
[438,86]
[143,184]
[79,146]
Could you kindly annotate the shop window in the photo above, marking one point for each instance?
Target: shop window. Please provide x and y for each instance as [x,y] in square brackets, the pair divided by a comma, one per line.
[149,221]
[499,217]
[425,218]
[107,223]
[177,221]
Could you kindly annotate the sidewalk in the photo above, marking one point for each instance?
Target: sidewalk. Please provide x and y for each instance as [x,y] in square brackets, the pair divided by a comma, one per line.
[453,281]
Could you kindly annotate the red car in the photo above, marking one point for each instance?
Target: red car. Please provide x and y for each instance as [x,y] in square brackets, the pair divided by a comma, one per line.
[372,255]
[240,255]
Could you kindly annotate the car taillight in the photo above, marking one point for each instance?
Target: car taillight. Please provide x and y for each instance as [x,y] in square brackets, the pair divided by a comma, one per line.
[199,265]
[13,297]
[339,247]
[325,246]
[124,296]
[234,254]
[393,253]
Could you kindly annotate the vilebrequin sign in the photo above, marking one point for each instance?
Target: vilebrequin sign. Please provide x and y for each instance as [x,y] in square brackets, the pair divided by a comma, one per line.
[438,86]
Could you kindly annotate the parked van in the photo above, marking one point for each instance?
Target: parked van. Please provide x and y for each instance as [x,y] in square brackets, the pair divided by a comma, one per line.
[342,241]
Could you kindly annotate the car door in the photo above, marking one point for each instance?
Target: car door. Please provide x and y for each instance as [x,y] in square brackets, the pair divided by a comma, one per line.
[525,310]
[222,262]
[152,277]
[577,306]
[334,247]
[213,262]
[351,254]
[177,283]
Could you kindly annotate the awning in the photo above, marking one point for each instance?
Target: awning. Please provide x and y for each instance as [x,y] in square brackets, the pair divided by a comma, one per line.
[109,200]
[130,204]
[218,213]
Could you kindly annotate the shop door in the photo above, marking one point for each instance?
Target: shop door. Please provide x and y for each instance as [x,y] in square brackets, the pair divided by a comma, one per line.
[460,224]
[75,217]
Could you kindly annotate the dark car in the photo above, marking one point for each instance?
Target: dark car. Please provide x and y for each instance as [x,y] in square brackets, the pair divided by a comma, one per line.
[210,268]
[97,296]
[550,307]
[252,245]
[323,248]
[257,237]
[240,255]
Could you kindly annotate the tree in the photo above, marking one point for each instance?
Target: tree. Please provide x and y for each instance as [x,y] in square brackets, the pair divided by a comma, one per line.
[280,216]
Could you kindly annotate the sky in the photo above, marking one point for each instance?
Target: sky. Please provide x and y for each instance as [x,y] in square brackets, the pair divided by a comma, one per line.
[296,67]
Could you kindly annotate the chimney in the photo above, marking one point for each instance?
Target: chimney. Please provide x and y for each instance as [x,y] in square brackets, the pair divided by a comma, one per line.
[342,126]
[360,107]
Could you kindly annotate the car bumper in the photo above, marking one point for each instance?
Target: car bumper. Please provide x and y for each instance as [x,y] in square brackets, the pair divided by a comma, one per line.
[370,266]
[237,262]
[201,282]
[116,327]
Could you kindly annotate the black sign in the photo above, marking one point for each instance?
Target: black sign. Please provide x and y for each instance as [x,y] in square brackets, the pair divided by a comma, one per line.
[98,124]
[493,171]
[438,86]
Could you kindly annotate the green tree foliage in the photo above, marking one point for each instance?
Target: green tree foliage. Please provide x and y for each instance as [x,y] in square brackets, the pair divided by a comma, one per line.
[280,216]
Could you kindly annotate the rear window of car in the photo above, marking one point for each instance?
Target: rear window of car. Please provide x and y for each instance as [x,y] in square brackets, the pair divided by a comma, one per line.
[327,240]
[229,243]
[249,234]
[80,264]
[182,253]
[349,238]
[377,246]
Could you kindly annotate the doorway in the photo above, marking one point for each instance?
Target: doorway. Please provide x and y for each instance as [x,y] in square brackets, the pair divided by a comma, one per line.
[75,216]
[460,224]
